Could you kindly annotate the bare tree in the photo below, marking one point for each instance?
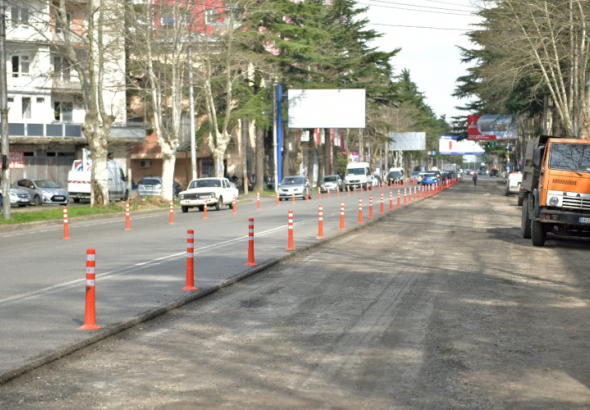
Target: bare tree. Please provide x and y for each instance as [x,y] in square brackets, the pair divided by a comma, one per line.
[85,36]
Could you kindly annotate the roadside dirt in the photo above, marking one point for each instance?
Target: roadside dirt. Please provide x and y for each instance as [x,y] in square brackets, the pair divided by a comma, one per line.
[440,306]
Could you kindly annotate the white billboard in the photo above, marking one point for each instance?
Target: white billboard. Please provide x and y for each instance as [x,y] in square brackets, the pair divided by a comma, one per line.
[448,145]
[407,141]
[342,108]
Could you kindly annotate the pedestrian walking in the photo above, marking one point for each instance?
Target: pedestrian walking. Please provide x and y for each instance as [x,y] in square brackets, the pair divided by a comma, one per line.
[475,178]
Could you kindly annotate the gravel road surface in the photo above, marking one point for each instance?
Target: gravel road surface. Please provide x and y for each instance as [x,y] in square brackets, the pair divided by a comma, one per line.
[440,306]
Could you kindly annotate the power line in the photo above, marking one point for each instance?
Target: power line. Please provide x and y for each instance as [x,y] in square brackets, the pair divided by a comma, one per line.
[422,11]
[451,4]
[417,6]
[424,27]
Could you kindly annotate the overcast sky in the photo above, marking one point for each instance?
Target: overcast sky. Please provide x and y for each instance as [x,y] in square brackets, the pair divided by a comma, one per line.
[431,55]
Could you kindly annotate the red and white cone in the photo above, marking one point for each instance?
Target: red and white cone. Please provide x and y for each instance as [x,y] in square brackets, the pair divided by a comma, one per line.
[290,243]
[360,211]
[90,311]
[127,222]
[342,216]
[258,201]
[66,225]
[370,206]
[405,196]
[251,243]
[171,213]
[278,200]
[321,223]
[390,200]
[382,210]
[190,260]
[399,199]
[234,206]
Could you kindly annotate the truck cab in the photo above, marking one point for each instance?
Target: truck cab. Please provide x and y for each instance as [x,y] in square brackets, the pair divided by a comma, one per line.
[556,188]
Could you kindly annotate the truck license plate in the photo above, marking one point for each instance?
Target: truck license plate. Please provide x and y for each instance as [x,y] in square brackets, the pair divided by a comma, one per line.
[585,220]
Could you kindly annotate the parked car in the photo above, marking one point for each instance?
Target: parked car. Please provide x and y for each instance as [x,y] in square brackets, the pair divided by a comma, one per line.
[294,186]
[358,174]
[20,197]
[331,182]
[152,186]
[43,191]
[513,183]
[204,192]
[429,178]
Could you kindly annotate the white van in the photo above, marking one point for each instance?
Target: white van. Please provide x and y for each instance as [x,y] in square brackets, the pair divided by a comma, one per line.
[358,174]
[79,181]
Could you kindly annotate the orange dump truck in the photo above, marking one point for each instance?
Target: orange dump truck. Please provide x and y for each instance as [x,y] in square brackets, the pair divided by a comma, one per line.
[556,188]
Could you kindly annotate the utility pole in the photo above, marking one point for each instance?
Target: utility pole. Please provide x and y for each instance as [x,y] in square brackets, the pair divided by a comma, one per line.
[245,125]
[274,135]
[191,96]
[4,114]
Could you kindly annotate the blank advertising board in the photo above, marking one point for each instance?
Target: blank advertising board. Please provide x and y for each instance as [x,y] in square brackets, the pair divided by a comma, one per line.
[341,108]
[407,141]
[448,145]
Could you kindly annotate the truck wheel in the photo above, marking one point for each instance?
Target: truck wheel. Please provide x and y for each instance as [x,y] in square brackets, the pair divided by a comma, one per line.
[76,200]
[506,192]
[219,203]
[126,196]
[538,233]
[201,208]
[525,221]
[184,209]
[520,199]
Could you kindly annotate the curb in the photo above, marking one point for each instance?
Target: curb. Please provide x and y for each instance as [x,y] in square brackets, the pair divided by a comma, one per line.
[201,293]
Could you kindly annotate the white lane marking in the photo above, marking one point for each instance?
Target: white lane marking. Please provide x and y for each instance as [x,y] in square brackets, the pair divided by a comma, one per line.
[154,262]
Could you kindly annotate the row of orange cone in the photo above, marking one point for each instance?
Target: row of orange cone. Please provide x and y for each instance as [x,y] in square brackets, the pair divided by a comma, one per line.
[90,308]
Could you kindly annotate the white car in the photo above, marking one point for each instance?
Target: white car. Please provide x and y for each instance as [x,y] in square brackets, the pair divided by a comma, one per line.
[513,183]
[207,192]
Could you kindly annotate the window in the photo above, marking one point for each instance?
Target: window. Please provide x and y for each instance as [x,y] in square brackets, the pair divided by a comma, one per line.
[20,66]
[63,111]
[10,99]
[61,68]
[58,21]
[26,107]
[210,16]
[40,100]
[19,15]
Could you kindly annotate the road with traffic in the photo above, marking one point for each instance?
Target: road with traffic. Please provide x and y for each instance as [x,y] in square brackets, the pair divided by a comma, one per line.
[440,305]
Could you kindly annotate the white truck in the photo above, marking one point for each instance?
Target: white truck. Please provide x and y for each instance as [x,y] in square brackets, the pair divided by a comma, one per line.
[79,181]
[358,174]
[450,168]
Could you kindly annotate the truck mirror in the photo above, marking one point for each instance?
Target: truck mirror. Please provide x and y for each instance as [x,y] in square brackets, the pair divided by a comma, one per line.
[537,157]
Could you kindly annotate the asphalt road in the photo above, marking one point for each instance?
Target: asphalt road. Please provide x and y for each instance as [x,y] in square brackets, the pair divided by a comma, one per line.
[43,277]
[440,306]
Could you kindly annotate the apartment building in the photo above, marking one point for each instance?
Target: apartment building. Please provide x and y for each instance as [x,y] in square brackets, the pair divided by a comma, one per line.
[46,109]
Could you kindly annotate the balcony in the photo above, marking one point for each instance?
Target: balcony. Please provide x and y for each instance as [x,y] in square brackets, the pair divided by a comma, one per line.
[66,86]
[124,132]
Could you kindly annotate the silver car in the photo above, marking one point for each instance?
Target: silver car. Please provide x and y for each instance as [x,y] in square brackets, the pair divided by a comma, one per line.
[18,197]
[294,187]
[43,191]
[331,182]
[152,186]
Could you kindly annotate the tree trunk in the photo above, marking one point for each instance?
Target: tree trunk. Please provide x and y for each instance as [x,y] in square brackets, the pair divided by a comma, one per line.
[298,158]
[320,150]
[328,153]
[260,182]
[311,148]
[168,166]
[97,140]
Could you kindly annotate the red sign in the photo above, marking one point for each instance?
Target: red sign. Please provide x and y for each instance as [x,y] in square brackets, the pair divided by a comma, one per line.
[492,127]
[16,160]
